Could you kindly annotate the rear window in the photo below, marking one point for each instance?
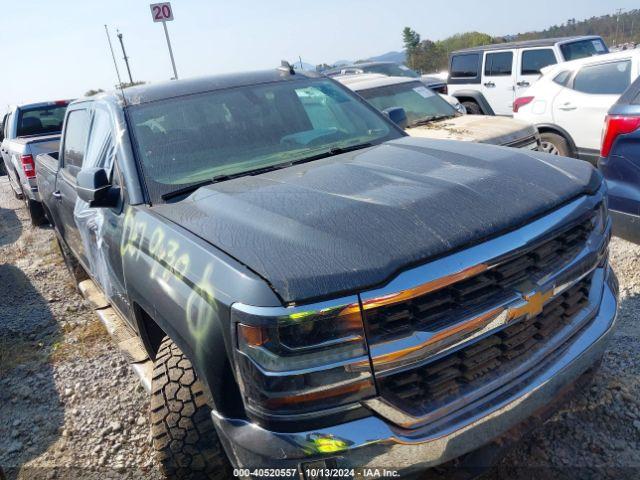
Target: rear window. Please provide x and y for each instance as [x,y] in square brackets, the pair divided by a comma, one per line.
[498,64]
[41,120]
[611,78]
[583,48]
[465,66]
[535,60]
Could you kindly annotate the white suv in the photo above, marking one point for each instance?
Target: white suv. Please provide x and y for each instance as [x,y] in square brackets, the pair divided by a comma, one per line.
[570,102]
[488,79]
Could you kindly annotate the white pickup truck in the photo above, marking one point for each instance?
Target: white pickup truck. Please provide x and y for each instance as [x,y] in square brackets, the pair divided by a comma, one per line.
[28,131]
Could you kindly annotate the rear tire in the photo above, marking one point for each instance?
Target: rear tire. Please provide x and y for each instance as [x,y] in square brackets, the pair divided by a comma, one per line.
[554,144]
[184,436]
[17,191]
[472,108]
[36,212]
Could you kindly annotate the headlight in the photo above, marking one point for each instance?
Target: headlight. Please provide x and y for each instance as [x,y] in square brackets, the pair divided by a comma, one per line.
[599,220]
[301,359]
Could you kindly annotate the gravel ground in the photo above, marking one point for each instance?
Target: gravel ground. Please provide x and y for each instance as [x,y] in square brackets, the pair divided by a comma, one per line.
[70,407]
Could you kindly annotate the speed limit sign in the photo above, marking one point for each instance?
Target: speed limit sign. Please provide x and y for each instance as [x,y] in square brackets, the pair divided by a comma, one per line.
[161,12]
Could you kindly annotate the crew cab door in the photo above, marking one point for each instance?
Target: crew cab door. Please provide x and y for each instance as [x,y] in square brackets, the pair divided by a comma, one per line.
[581,107]
[101,228]
[530,62]
[498,79]
[75,136]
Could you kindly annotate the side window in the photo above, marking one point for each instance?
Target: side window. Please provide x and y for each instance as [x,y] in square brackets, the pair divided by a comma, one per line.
[100,149]
[535,60]
[75,141]
[562,78]
[465,66]
[498,64]
[611,78]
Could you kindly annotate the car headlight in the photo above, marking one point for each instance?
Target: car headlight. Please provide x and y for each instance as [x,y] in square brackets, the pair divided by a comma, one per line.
[301,359]
[599,220]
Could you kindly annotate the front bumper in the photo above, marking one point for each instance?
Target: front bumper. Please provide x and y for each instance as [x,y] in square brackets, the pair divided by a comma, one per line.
[373,442]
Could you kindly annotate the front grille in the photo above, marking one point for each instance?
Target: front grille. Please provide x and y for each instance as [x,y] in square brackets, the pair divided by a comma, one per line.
[447,305]
[428,387]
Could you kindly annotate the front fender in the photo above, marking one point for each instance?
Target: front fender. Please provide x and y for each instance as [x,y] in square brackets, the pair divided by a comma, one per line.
[478,97]
[187,286]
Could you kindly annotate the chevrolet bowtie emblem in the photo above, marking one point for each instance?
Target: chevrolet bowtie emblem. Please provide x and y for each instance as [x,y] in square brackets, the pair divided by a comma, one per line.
[531,305]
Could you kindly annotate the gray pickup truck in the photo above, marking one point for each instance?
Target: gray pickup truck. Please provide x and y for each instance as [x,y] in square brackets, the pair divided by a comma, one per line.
[29,130]
[304,288]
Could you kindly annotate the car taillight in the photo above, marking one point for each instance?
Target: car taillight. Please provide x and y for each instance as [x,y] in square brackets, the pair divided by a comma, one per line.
[301,360]
[614,126]
[28,166]
[521,102]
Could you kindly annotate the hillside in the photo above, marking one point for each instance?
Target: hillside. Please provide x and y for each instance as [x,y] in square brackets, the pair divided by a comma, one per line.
[431,56]
[628,28]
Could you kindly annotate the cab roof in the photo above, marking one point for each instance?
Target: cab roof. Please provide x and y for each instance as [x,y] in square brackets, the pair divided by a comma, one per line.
[365,81]
[176,88]
[542,42]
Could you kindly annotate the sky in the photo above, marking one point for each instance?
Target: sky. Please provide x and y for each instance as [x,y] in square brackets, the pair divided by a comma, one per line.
[58,49]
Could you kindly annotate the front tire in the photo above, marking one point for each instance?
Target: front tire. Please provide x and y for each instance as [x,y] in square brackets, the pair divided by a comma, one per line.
[472,108]
[183,433]
[554,144]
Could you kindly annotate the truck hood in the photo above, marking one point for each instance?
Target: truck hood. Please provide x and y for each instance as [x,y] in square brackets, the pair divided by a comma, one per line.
[476,128]
[353,221]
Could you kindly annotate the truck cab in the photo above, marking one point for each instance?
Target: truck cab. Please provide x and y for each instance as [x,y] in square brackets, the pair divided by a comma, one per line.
[489,78]
[29,130]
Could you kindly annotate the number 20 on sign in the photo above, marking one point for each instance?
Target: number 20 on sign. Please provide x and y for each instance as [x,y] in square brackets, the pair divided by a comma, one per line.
[161,12]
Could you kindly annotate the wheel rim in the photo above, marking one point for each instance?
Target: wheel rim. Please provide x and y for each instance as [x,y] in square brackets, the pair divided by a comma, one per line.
[548,147]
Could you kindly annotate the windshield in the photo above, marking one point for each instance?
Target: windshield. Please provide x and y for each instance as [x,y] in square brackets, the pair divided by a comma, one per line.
[419,103]
[41,120]
[583,49]
[391,70]
[190,139]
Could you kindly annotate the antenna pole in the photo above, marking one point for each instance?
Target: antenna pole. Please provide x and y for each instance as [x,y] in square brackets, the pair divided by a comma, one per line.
[124,55]
[115,63]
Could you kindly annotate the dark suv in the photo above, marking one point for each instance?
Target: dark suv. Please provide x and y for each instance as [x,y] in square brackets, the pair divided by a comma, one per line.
[620,162]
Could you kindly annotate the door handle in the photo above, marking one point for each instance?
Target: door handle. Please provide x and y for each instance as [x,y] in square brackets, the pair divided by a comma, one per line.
[489,84]
[57,195]
[567,106]
[524,83]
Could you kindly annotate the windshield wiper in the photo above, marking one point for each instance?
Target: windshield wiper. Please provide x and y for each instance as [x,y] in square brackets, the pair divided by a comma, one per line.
[432,118]
[257,171]
[332,152]
[222,178]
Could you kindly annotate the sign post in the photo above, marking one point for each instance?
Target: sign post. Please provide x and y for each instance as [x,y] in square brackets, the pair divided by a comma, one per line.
[162,12]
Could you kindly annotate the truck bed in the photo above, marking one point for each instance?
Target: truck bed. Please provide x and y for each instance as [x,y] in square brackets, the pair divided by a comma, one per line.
[35,145]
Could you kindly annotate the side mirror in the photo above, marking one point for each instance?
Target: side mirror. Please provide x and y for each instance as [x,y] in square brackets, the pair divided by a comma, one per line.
[93,186]
[397,115]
